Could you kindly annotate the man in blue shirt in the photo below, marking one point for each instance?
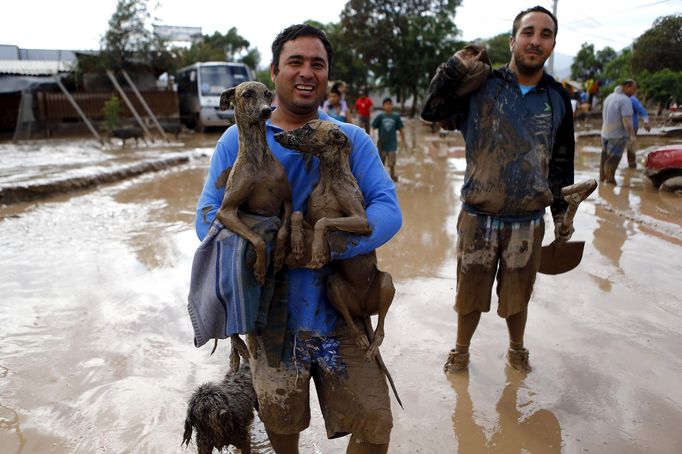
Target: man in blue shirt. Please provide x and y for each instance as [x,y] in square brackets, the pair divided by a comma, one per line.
[352,391]
[637,111]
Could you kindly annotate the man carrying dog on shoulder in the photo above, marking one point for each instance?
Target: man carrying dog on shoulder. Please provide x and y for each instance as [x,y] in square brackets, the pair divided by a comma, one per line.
[517,123]
[352,390]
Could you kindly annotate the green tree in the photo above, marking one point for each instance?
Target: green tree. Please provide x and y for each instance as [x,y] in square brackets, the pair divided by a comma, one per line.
[619,68]
[401,43]
[128,36]
[230,46]
[498,49]
[659,47]
[590,65]
[661,85]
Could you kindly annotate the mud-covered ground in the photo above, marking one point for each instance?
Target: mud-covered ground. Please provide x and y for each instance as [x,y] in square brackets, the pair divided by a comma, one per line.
[96,349]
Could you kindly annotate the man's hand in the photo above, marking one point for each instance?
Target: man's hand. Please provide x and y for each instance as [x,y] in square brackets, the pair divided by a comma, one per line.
[647,126]
[561,233]
[471,54]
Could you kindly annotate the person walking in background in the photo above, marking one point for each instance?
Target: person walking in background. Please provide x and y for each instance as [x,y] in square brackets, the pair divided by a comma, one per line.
[517,123]
[387,124]
[364,106]
[617,131]
[638,110]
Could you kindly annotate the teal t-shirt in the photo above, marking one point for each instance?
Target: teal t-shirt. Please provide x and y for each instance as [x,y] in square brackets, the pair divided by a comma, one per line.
[388,126]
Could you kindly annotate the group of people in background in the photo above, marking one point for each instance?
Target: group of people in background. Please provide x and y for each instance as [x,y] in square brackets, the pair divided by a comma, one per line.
[387,123]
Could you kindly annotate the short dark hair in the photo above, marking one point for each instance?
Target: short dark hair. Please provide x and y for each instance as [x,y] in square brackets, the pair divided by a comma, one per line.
[387,100]
[535,9]
[296,31]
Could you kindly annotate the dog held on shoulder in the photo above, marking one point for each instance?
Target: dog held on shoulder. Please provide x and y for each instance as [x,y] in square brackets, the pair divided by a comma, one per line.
[468,67]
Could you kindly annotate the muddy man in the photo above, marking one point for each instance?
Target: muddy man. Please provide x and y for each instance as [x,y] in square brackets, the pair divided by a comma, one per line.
[353,394]
[517,123]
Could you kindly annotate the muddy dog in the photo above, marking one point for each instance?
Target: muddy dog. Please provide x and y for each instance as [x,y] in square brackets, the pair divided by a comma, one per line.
[222,413]
[356,288]
[256,183]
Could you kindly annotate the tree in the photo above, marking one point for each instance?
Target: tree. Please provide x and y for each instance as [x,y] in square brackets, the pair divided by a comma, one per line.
[619,68]
[128,36]
[588,65]
[498,49]
[661,85]
[230,46]
[659,47]
[401,43]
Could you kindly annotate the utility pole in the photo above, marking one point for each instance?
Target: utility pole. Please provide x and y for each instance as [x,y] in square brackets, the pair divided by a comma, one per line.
[550,65]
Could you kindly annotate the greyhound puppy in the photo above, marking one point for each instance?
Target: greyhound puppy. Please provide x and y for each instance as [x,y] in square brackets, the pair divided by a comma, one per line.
[222,413]
[356,288]
[257,182]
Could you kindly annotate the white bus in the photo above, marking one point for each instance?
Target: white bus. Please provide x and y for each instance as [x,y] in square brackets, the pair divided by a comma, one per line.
[199,88]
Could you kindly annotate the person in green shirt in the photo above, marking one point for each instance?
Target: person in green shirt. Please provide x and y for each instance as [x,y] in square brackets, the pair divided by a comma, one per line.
[387,124]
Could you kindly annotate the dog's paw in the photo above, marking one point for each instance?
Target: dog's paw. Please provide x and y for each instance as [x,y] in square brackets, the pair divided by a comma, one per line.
[259,271]
[235,361]
[373,349]
[362,342]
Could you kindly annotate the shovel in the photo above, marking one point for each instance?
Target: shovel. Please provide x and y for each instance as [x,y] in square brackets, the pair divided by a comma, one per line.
[562,256]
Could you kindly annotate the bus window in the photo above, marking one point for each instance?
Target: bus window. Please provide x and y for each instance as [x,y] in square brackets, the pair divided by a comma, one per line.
[215,79]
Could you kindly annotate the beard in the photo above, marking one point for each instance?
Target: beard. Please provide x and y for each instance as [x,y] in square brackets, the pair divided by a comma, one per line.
[527,67]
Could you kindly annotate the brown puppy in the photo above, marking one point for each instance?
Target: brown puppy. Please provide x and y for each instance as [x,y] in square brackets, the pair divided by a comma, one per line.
[257,182]
[356,288]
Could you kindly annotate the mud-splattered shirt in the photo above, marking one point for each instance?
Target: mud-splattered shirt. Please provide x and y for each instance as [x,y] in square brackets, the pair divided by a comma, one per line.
[309,309]
[519,148]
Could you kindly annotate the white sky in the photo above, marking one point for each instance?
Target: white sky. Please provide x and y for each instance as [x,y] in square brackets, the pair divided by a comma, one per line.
[80,24]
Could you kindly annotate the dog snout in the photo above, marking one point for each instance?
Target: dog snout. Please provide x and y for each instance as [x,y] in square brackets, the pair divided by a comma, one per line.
[265,111]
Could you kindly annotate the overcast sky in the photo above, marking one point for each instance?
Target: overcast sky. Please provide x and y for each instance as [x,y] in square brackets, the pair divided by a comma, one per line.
[80,24]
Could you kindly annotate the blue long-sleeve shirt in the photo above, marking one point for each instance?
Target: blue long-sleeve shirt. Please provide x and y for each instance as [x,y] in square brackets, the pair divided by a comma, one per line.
[637,110]
[309,309]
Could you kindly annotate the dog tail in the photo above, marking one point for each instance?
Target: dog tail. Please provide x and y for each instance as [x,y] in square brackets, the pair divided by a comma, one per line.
[187,436]
[370,335]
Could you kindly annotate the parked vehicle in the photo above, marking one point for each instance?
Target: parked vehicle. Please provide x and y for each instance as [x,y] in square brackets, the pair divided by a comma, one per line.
[662,164]
[199,88]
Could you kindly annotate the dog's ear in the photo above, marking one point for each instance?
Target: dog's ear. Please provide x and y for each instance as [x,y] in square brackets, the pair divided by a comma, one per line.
[226,98]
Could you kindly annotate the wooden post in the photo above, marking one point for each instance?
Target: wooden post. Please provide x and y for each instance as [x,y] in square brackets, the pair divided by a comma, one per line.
[129,104]
[145,105]
[78,109]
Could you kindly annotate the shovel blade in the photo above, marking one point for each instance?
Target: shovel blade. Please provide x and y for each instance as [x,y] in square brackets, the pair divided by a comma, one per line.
[560,258]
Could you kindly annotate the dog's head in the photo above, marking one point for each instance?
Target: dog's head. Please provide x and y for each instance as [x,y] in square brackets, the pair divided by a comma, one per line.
[317,137]
[252,101]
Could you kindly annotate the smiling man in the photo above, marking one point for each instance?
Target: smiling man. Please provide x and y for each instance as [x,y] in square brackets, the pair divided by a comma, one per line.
[517,123]
[352,391]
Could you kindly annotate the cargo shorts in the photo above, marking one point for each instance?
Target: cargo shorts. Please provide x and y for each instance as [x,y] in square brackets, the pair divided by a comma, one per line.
[351,389]
[488,248]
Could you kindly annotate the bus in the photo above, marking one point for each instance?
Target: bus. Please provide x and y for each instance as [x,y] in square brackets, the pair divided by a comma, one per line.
[199,88]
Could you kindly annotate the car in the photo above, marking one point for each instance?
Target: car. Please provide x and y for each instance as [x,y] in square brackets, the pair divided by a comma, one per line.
[663,164]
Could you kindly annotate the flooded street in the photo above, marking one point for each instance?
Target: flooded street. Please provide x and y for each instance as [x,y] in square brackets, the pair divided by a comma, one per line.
[96,352]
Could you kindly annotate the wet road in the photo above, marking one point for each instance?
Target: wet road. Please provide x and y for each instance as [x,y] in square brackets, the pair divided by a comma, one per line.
[96,349]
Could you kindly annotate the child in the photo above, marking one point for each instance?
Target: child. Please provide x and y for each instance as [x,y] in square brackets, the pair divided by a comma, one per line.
[387,123]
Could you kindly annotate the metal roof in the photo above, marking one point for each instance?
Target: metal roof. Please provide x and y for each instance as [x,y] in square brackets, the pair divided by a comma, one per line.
[33,67]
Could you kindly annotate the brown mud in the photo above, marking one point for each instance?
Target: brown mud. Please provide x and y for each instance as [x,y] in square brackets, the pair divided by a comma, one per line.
[96,351]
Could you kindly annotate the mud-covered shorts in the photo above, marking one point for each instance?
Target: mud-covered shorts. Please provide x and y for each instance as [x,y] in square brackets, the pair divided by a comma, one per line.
[487,247]
[352,390]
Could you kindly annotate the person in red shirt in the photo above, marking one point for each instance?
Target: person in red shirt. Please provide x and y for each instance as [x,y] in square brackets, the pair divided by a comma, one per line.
[364,107]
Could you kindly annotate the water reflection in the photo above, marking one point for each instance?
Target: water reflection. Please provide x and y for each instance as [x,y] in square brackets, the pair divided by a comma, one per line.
[539,432]
[611,233]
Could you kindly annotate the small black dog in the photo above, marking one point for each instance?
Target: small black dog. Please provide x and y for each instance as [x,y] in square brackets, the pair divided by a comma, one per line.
[222,413]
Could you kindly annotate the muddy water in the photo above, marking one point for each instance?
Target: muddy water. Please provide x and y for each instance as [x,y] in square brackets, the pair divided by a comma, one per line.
[96,347]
